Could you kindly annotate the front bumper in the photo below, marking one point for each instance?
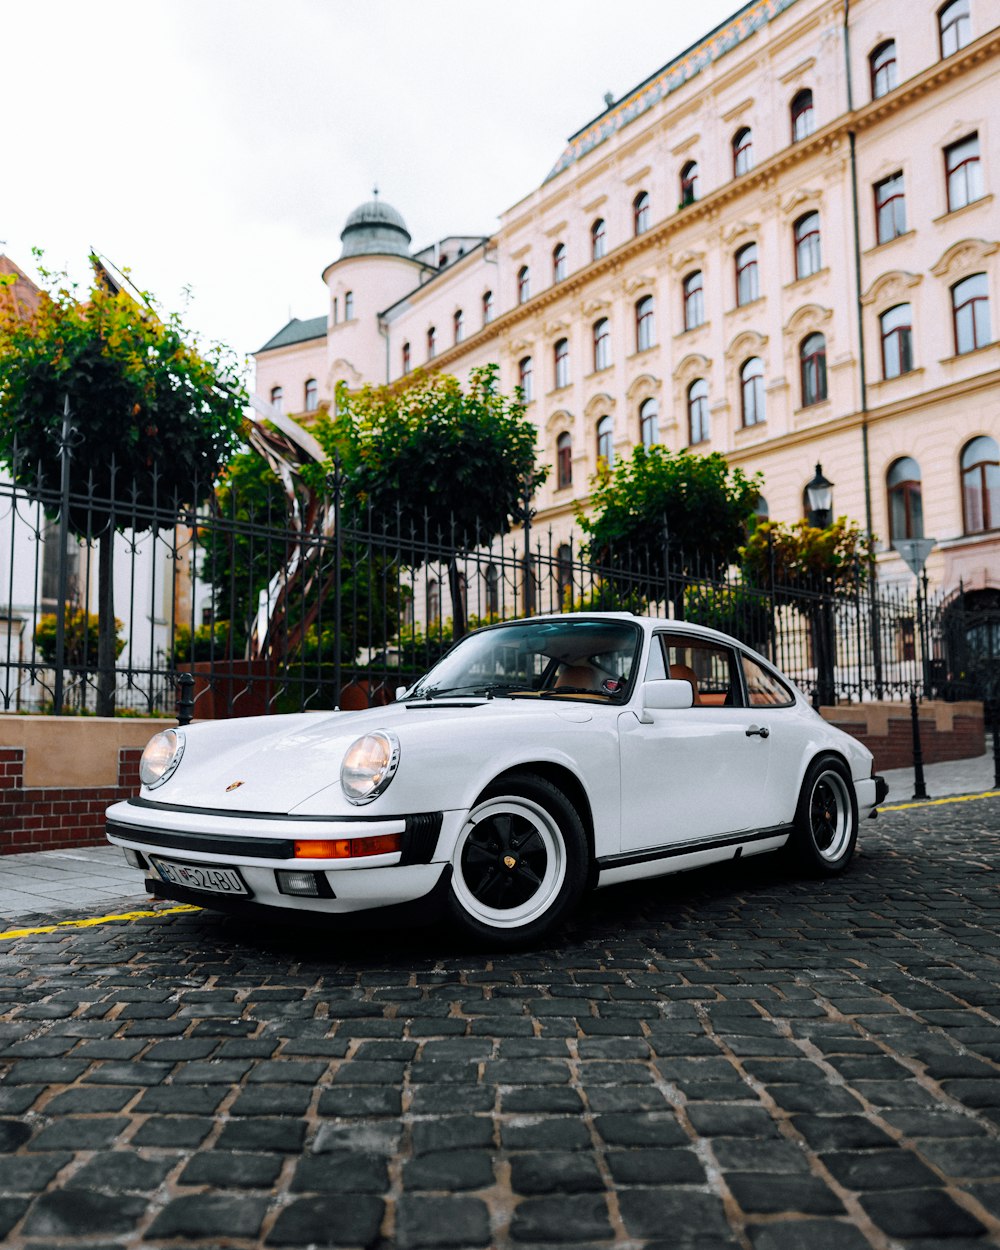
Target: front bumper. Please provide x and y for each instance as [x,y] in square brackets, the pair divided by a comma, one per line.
[871,791]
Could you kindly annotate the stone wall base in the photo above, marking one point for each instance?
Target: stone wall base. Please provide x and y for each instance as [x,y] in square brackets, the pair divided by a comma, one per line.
[948,731]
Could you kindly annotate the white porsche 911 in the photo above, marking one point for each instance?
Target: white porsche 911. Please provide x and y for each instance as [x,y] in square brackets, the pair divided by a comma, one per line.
[535,760]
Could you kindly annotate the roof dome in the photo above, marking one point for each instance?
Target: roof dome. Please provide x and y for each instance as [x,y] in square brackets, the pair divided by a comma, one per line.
[375,229]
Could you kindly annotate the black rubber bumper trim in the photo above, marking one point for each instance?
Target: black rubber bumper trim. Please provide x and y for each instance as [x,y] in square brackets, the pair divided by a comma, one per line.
[881,789]
[691,847]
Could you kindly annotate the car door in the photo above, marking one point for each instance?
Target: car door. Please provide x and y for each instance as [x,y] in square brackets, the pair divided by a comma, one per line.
[701,772]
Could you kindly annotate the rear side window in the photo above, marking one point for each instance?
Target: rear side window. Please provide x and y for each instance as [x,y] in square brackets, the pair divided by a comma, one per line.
[710,668]
[764,688]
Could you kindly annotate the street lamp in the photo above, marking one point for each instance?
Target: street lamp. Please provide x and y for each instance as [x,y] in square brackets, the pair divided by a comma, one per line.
[819,493]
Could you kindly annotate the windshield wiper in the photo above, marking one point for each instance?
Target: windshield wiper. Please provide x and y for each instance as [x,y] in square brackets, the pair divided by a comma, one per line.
[487,689]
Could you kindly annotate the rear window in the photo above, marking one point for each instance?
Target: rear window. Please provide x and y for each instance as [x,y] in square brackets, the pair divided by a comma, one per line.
[764,688]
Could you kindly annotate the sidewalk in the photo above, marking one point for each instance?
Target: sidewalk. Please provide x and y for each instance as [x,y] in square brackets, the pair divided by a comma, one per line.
[97,877]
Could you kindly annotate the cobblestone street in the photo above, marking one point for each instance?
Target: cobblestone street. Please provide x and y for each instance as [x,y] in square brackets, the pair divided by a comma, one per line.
[718,1060]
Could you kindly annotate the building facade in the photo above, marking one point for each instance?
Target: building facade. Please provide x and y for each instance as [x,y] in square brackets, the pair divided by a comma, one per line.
[784,246]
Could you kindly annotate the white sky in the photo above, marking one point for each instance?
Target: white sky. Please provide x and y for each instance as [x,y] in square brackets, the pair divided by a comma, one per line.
[220,144]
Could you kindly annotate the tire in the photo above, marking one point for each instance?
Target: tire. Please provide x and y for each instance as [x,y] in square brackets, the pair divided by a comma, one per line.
[527,820]
[826,819]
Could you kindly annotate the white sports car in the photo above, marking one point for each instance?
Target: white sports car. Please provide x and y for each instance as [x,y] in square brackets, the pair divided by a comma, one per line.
[535,760]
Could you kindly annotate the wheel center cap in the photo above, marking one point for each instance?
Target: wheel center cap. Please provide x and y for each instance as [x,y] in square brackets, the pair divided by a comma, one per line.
[509,861]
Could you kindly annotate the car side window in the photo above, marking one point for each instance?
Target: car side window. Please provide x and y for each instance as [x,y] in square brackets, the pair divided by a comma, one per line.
[764,688]
[710,668]
[656,667]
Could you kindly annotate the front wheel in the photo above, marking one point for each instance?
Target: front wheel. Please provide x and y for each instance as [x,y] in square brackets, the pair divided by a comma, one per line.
[826,819]
[520,862]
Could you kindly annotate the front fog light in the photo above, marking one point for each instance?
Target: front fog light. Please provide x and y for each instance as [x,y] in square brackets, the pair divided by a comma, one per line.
[369,766]
[298,883]
[160,759]
[133,858]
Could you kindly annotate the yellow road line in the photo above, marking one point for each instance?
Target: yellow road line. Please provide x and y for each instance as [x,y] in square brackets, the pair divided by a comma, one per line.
[953,798]
[94,920]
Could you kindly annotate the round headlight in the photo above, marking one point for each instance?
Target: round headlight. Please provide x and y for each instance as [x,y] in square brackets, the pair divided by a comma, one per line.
[369,766]
[160,759]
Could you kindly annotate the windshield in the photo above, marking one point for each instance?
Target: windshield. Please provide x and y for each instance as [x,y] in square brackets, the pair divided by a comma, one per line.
[568,658]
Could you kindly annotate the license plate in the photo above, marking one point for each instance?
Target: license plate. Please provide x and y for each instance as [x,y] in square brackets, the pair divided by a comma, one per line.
[206,877]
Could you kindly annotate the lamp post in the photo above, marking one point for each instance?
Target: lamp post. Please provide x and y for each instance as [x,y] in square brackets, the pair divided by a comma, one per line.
[819,495]
[915,552]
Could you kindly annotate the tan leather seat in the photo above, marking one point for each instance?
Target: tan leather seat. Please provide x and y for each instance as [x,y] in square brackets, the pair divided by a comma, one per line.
[683,672]
[582,676]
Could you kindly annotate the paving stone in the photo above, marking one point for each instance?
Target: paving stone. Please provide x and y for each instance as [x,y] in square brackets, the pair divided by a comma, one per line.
[11,1210]
[80,1133]
[13,1133]
[760,1193]
[441,1222]
[82,1212]
[648,1212]
[455,1132]
[644,1129]
[84,1098]
[17,1098]
[846,1132]
[361,1100]
[345,1172]
[29,1174]
[173,1131]
[551,1172]
[209,1215]
[879,1169]
[920,1213]
[560,1220]
[731,1120]
[545,1133]
[181,1099]
[538,1099]
[118,1170]
[655,1167]
[816,1234]
[272,1100]
[267,1133]
[449,1170]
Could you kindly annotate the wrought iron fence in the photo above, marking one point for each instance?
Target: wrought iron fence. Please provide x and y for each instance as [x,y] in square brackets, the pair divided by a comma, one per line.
[269,613]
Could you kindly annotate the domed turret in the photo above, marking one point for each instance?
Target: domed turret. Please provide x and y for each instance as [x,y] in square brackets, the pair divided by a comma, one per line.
[375,229]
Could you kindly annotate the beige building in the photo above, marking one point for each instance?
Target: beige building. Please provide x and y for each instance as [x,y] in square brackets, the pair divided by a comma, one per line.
[784,245]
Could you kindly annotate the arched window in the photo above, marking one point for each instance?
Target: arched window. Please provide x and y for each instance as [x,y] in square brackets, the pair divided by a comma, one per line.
[970,309]
[698,411]
[808,258]
[641,212]
[564,576]
[954,25]
[812,367]
[906,512]
[602,344]
[803,117]
[278,398]
[560,356]
[649,422]
[747,281]
[981,485]
[742,151]
[896,332]
[433,602]
[752,390]
[524,378]
[336,310]
[882,67]
[348,305]
[598,239]
[645,324]
[431,342]
[605,442]
[487,307]
[963,172]
[312,395]
[564,461]
[491,579]
[694,300]
[559,262]
[459,324]
[689,183]
[890,208]
[761,511]
[523,284]
[406,358]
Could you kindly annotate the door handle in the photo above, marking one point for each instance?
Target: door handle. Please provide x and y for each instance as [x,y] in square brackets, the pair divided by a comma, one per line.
[762,732]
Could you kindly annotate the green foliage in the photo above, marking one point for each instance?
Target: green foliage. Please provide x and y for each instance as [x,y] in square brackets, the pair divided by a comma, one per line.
[206,643]
[804,558]
[734,609]
[80,636]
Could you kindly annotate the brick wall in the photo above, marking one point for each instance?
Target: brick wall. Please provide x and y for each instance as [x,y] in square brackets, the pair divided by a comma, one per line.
[948,731]
[49,818]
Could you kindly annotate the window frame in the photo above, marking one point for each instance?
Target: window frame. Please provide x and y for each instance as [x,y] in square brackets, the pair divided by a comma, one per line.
[605,431]
[598,239]
[487,307]
[278,398]
[431,342]
[458,325]
[974,301]
[641,213]
[890,209]
[952,17]
[963,178]
[747,274]
[903,347]
[564,460]
[645,323]
[689,179]
[524,284]
[742,149]
[808,245]
[704,428]
[979,467]
[810,363]
[348,305]
[802,112]
[526,378]
[649,419]
[310,395]
[559,263]
[406,362]
[693,296]
[602,344]
[755,412]
[560,361]
[909,491]
[883,69]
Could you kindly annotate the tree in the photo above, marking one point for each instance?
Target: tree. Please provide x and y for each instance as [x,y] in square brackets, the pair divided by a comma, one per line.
[151,416]
[660,511]
[437,464]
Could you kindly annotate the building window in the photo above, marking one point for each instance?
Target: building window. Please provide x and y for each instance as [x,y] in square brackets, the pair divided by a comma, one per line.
[890,208]
[808,258]
[752,391]
[598,239]
[803,116]
[406,358]
[689,183]
[336,310]
[278,398]
[53,556]
[459,323]
[964,172]
[431,342]
[882,67]
[605,442]
[761,511]
[955,26]
[433,602]
[524,379]
[698,411]
[812,364]
[602,344]
[645,324]
[747,283]
[970,308]
[523,284]
[906,513]
[981,485]
[694,300]
[312,395]
[559,262]
[649,422]
[491,579]
[560,354]
[564,461]
[564,576]
[348,305]
[742,151]
[896,331]
[641,213]
[487,307]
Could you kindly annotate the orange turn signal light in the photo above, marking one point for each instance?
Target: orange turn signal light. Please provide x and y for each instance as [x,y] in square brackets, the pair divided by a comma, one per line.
[349,848]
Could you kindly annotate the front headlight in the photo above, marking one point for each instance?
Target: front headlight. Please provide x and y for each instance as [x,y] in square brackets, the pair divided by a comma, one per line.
[160,759]
[369,766]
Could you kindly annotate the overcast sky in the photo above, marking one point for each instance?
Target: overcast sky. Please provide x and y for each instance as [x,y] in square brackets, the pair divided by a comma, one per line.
[220,144]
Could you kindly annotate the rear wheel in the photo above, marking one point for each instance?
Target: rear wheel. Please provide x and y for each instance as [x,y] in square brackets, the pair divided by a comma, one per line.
[520,863]
[826,819]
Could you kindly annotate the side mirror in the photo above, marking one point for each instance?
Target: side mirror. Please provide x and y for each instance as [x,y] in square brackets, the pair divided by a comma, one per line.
[400,691]
[667,694]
